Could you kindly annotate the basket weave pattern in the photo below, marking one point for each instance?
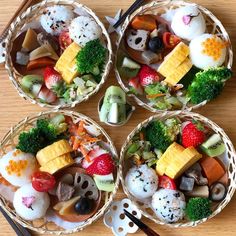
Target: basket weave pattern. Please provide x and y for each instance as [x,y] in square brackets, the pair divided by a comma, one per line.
[9,142]
[214,26]
[230,153]
[30,15]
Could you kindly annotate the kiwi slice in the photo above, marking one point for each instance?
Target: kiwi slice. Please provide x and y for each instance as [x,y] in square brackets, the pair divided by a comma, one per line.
[104,111]
[115,94]
[104,182]
[214,146]
[32,84]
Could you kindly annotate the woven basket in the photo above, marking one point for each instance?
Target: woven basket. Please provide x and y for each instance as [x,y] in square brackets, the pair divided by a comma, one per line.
[30,15]
[230,155]
[9,142]
[214,26]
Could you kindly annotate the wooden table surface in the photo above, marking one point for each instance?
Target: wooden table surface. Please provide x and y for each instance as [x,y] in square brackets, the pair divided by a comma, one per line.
[223,111]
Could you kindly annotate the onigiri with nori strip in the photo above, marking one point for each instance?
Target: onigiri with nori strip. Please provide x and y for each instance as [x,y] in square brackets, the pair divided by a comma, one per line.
[56,19]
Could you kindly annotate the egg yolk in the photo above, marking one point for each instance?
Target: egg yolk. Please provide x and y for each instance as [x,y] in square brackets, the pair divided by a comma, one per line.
[213,47]
[16,167]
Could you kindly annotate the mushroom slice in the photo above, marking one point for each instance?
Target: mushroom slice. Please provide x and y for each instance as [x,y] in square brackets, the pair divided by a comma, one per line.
[85,186]
[66,208]
[137,39]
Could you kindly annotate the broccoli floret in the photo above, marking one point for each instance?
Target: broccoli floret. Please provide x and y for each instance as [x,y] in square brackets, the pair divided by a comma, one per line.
[52,128]
[31,141]
[91,58]
[45,133]
[162,134]
[198,208]
[208,84]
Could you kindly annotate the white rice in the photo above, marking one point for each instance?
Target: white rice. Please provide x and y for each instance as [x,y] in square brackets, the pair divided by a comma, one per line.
[84,29]
[56,19]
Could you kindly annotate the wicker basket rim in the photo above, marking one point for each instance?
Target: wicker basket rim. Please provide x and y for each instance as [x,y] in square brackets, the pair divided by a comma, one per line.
[102,210]
[19,22]
[181,114]
[161,4]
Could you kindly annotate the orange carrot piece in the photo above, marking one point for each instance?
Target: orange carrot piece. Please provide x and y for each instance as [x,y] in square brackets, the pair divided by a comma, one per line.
[39,63]
[81,128]
[76,143]
[155,95]
[212,168]
[85,154]
[144,22]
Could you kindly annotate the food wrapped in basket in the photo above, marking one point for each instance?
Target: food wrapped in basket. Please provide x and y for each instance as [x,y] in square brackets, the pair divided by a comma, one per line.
[58,172]
[58,53]
[173,55]
[178,168]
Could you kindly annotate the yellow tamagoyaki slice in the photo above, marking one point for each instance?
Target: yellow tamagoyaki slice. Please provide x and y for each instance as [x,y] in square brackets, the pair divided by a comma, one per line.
[66,65]
[179,72]
[171,152]
[52,151]
[174,59]
[57,163]
[182,162]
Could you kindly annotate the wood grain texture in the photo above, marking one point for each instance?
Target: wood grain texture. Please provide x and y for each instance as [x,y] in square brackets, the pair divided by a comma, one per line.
[223,111]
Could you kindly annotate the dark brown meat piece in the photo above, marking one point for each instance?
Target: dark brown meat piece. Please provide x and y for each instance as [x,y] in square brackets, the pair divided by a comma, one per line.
[64,191]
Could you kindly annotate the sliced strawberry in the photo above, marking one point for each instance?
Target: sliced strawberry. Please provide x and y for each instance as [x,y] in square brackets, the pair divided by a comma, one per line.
[193,134]
[93,154]
[148,76]
[135,86]
[51,78]
[64,40]
[166,182]
[47,95]
[102,165]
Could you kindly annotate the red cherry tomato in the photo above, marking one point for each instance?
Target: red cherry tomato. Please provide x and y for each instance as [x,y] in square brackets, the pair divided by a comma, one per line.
[64,40]
[43,181]
[170,40]
[166,182]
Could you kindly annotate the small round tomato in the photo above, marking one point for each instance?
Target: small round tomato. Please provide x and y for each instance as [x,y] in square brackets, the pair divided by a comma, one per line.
[166,182]
[64,40]
[43,181]
[170,40]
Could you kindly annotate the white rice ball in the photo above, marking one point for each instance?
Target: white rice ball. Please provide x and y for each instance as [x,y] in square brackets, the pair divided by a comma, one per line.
[17,167]
[56,19]
[188,23]
[141,181]
[84,29]
[207,51]
[169,205]
[30,204]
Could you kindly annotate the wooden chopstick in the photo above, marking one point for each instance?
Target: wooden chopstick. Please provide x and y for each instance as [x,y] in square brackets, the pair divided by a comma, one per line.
[132,8]
[20,230]
[148,231]
[23,6]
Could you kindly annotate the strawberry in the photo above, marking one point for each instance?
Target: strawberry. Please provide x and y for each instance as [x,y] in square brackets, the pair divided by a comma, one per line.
[147,76]
[193,134]
[93,154]
[47,95]
[52,78]
[135,86]
[102,165]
